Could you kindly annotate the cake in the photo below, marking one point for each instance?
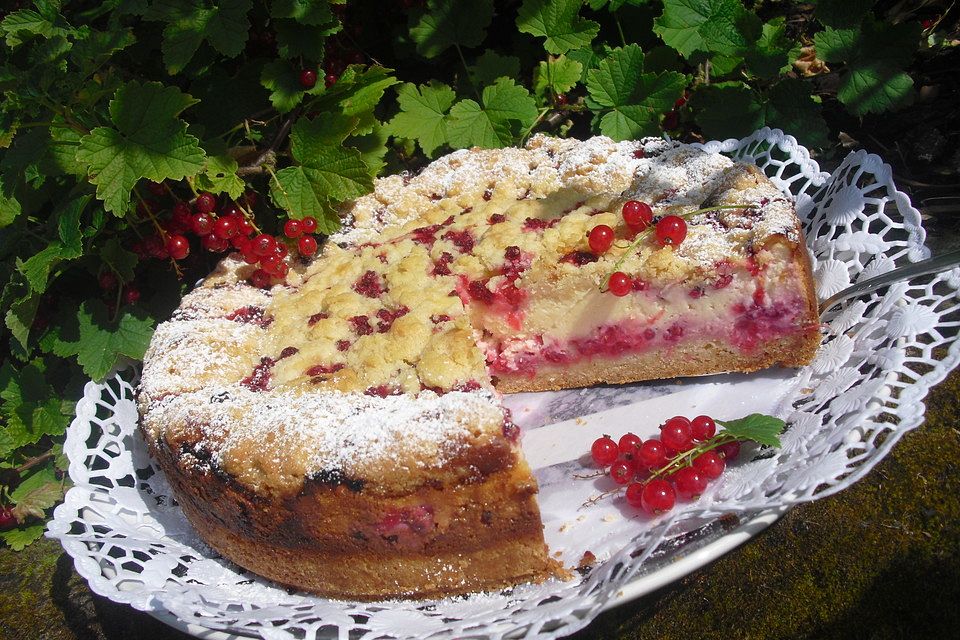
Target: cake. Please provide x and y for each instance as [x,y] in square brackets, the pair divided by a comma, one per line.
[341,432]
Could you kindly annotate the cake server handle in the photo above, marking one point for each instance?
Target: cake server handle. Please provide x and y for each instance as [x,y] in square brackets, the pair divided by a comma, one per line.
[936,264]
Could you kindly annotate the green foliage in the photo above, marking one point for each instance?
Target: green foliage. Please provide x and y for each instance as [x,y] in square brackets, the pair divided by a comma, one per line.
[757,427]
[115,114]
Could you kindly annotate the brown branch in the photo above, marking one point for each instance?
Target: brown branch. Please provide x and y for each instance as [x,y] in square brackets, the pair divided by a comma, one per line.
[269,155]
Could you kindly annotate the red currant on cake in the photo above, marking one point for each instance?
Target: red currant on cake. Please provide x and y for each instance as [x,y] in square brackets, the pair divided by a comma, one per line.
[308,78]
[671,230]
[638,215]
[307,246]
[263,245]
[604,451]
[600,238]
[292,229]
[308,224]
[620,283]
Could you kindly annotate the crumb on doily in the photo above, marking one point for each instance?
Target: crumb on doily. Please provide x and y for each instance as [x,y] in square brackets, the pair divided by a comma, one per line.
[586,563]
[610,518]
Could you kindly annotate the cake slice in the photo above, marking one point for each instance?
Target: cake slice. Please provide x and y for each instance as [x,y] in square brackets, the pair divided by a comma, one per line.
[342,431]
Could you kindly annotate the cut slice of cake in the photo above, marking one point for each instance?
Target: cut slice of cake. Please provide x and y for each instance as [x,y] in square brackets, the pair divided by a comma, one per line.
[349,416]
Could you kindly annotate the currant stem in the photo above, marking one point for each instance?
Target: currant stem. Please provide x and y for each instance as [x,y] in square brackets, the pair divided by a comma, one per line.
[650,229]
[685,458]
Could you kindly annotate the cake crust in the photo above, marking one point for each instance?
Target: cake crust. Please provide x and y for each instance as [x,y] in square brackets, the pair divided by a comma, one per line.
[349,416]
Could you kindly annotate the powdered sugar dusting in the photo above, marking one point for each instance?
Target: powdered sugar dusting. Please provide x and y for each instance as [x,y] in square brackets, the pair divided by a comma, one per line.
[354,434]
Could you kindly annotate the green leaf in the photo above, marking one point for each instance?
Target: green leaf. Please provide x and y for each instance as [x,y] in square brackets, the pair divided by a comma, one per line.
[219,175]
[793,109]
[325,176]
[19,318]
[22,537]
[358,91]
[841,14]
[62,150]
[189,23]
[309,12]
[149,141]
[491,65]
[719,26]
[559,75]
[20,26]
[68,228]
[31,407]
[37,267]
[296,40]
[732,109]
[757,427]
[283,82]
[423,114]
[627,101]
[770,56]
[504,102]
[99,342]
[372,148]
[875,55]
[471,126]
[874,89]
[119,259]
[447,23]
[9,205]
[93,51]
[36,493]
[559,22]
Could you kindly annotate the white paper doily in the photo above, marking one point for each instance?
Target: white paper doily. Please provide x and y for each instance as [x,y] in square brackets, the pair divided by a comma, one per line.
[845,411]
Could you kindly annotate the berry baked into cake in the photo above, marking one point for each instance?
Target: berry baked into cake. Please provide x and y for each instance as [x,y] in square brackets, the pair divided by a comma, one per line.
[339,430]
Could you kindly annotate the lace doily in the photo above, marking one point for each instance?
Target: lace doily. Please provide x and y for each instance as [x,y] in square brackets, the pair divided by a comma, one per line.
[845,411]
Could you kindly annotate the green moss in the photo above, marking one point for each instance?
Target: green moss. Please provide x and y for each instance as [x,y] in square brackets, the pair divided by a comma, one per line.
[878,560]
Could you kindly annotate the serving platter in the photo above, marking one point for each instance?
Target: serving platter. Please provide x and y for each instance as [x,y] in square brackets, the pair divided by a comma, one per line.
[845,411]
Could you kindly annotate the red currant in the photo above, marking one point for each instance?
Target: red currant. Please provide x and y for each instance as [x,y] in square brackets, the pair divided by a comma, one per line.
[620,283]
[157,247]
[308,78]
[260,279]
[107,280]
[307,246]
[560,99]
[205,203]
[629,443]
[621,471]
[7,519]
[638,215]
[604,451]
[600,238]
[652,454]
[671,230]
[634,495]
[271,264]
[308,224]
[689,483]
[675,434]
[329,80]
[202,224]
[710,464]
[131,294]
[658,496]
[225,228]
[281,250]
[231,209]
[248,256]
[729,450]
[178,246]
[263,244]
[240,243]
[292,229]
[703,428]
